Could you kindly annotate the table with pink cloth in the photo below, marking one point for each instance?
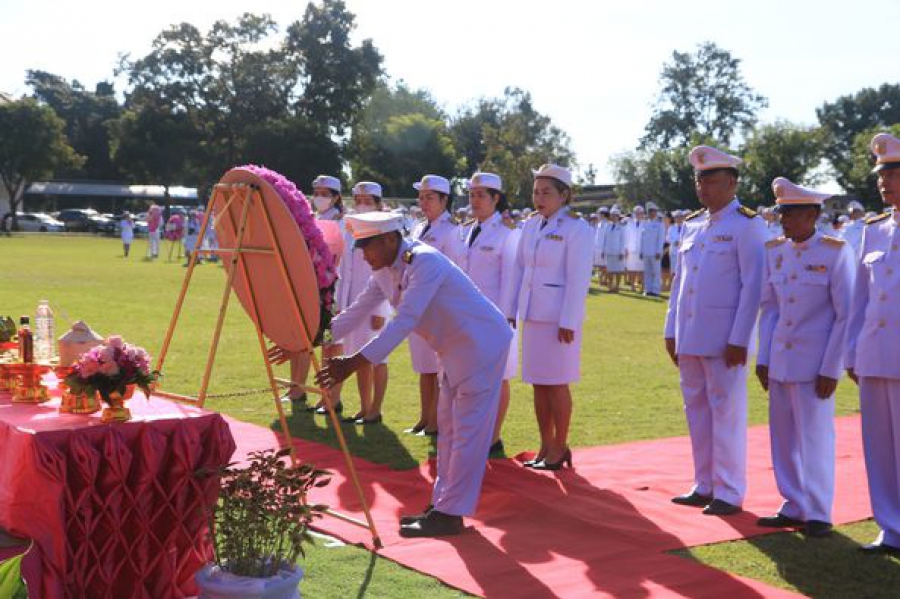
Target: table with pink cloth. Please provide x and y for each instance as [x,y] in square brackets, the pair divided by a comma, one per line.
[114,510]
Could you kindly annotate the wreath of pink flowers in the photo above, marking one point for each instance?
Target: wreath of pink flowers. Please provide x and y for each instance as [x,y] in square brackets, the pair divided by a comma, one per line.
[297,204]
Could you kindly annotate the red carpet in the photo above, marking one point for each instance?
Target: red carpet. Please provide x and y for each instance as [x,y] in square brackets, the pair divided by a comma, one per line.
[599,529]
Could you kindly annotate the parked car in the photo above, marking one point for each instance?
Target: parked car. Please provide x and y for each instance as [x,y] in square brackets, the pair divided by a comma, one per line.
[86,219]
[37,221]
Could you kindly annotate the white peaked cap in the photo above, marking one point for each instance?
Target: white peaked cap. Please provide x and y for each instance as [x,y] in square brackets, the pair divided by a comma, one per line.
[367,188]
[854,205]
[372,224]
[844,218]
[433,183]
[332,183]
[554,171]
[651,206]
[638,208]
[788,193]
[886,148]
[615,210]
[489,180]
[706,158]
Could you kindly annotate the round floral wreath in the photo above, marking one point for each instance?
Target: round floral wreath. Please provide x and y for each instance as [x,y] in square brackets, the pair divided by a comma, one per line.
[298,206]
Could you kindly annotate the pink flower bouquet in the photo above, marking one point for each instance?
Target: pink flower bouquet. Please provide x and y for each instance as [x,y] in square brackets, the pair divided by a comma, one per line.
[111,367]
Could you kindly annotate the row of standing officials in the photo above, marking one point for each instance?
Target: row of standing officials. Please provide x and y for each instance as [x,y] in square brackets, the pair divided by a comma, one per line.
[820,309]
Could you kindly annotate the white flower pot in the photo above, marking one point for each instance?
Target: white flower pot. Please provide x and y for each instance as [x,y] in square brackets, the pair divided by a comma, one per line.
[215,583]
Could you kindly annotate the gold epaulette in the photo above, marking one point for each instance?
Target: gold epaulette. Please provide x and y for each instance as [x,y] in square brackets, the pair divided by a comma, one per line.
[471,221]
[408,256]
[695,214]
[509,225]
[573,214]
[533,214]
[774,243]
[877,219]
[749,213]
[453,220]
[833,241]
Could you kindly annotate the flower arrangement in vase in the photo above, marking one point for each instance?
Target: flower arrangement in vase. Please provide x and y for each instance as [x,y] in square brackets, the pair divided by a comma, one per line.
[111,371]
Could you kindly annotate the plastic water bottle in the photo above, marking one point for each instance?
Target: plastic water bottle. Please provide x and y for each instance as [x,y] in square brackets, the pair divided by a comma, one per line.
[44,334]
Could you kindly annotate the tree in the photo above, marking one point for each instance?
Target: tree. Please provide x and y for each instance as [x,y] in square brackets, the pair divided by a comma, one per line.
[861,181]
[780,149]
[335,77]
[510,137]
[405,148]
[87,116]
[662,176]
[847,117]
[32,146]
[702,93]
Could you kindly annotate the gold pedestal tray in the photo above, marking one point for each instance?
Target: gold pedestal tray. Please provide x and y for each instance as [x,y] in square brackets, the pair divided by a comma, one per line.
[27,384]
[72,403]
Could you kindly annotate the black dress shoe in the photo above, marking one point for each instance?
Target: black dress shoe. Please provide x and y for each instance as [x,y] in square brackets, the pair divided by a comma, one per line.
[353,418]
[435,524]
[779,521]
[817,529]
[693,499]
[565,459]
[496,448]
[879,549]
[414,430]
[338,408]
[416,517]
[721,508]
[427,433]
[364,421]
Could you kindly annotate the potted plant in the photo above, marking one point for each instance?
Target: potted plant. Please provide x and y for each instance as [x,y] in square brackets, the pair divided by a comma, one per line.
[111,371]
[258,528]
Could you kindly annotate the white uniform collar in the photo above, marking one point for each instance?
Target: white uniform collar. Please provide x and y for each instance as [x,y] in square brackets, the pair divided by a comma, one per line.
[730,207]
[563,210]
[804,245]
[405,246]
[444,216]
[896,215]
[492,219]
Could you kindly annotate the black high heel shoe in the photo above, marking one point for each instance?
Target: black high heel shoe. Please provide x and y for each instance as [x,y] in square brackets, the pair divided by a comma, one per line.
[338,408]
[537,459]
[565,459]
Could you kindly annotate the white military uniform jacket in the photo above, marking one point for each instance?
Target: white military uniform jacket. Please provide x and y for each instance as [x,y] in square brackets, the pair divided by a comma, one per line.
[599,240]
[715,297]
[443,235]
[490,261]
[873,343]
[556,265]
[436,300]
[852,233]
[805,308]
[653,238]
[353,276]
[614,240]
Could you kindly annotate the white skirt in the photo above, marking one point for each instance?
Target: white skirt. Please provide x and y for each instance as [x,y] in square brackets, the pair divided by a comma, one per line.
[355,340]
[424,360]
[512,361]
[614,264]
[547,361]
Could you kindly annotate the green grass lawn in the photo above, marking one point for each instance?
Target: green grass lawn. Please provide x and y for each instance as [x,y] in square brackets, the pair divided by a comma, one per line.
[629,389]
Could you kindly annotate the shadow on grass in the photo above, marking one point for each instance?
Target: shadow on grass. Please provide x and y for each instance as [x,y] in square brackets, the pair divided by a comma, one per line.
[828,567]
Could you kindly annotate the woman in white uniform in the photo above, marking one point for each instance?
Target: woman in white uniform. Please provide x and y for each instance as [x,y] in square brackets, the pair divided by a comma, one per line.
[126,225]
[353,275]
[614,249]
[554,257]
[489,258]
[441,231]
[328,205]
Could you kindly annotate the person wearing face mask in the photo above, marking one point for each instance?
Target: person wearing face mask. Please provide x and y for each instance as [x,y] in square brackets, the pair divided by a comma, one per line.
[326,201]
[489,244]
[353,275]
[441,231]
[555,258]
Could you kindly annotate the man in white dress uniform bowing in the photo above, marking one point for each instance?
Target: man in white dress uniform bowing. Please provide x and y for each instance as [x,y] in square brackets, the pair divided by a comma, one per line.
[434,298]
[873,348]
[807,284]
[712,313]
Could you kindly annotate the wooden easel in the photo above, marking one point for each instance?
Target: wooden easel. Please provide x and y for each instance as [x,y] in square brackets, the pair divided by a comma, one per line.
[243,195]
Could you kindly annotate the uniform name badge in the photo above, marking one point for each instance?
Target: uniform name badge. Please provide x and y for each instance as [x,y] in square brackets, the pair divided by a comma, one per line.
[554,237]
[486,248]
[820,268]
[723,238]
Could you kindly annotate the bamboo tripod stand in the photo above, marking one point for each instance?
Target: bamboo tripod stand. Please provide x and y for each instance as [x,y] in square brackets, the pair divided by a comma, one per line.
[243,196]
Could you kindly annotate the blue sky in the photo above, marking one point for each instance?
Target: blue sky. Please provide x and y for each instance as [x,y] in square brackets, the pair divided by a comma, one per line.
[592,66]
